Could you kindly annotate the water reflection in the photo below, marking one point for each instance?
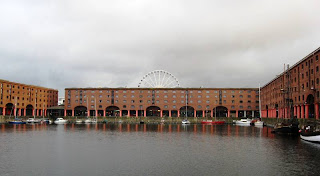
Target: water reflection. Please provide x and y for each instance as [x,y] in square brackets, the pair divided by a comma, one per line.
[222,130]
[152,149]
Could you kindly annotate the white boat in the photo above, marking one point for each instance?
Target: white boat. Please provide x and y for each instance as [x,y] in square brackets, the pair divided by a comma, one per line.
[258,123]
[88,120]
[311,136]
[60,121]
[245,122]
[33,120]
[185,121]
[79,121]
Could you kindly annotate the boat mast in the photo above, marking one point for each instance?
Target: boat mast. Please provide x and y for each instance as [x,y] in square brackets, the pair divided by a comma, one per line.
[259,101]
[15,108]
[186,104]
[35,105]
[87,108]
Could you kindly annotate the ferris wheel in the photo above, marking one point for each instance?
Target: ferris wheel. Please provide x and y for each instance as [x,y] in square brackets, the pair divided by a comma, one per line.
[159,79]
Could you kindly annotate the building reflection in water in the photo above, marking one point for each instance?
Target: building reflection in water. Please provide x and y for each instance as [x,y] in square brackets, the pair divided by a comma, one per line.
[225,130]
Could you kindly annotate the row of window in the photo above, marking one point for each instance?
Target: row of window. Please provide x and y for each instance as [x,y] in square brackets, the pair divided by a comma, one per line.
[157,101]
[30,89]
[157,91]
[174,107]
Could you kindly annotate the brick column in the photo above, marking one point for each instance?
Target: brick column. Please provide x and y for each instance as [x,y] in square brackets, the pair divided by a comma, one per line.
[237,114]
[316,110]
[65,112]
[195,113]
[178,113]
[145,113]
[295,111]
[72,111]
[203,113]
[302,111]
[298,112]
[161,113]
[120,113]
[307,111]
[25,112]
[169,113]
[104,112]
[3,111]
[228,113]
[211,113]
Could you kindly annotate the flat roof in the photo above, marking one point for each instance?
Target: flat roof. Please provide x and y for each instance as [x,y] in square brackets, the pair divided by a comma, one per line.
[177,88]
[10,82]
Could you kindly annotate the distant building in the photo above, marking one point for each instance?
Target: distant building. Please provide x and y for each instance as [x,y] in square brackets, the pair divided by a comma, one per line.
[61,101]
[294,93]
[25,100]
[162,102]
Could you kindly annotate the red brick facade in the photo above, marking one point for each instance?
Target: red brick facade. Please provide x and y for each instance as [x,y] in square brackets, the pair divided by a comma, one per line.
[295,92]
[25,100]
[201,102]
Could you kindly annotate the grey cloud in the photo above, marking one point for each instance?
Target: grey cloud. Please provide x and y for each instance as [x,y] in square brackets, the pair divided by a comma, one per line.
[75,43]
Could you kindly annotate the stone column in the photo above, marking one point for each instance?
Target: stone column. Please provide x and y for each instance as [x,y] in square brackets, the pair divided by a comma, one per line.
[298,112]
[307,111]
[316,110]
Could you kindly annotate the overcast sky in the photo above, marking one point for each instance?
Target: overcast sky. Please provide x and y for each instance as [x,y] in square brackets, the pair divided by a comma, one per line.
[114,43]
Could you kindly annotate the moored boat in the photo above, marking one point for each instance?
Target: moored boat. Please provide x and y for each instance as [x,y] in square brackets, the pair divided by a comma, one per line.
[245,122]
[185,121]
[17,121]
[32,120]
[60,121]
[287,129]
[310,134]
[259,123]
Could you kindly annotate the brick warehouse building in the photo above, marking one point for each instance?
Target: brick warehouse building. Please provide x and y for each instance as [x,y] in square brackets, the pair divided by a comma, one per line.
[162,102]
[295,92]
[25,100]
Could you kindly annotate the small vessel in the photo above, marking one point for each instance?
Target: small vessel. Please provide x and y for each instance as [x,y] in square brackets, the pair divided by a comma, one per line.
[33,120]
[244,122]
[88,120]
[17,121]
[286,128]
[258,123]
[185,121]
[310,134]
[78,121]
[60,121]
[46,121]
[219,122]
